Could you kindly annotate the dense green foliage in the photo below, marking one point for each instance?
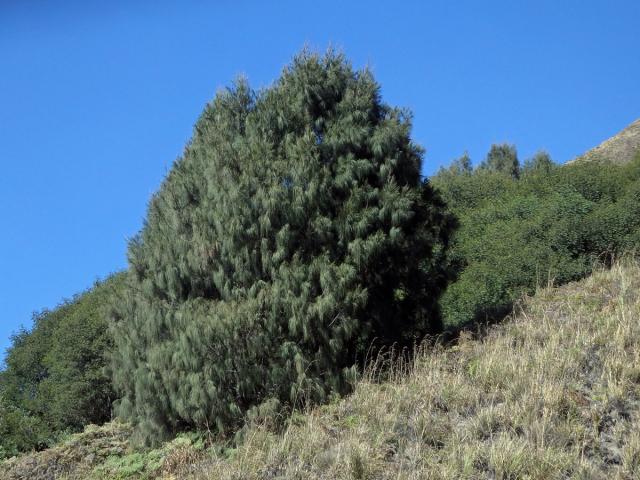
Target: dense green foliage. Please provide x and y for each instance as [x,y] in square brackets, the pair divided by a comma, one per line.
[54,379]
[546,222]
[502,158]
[293,232]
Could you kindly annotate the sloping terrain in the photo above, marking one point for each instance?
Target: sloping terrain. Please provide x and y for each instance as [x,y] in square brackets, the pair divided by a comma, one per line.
[621,148]
[554,392]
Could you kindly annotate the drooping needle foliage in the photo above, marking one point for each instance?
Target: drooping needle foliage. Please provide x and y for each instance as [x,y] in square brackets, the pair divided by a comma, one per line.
[293,233]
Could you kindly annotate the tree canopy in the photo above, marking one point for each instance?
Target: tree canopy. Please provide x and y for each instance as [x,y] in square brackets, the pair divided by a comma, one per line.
[54,379]
[549,222]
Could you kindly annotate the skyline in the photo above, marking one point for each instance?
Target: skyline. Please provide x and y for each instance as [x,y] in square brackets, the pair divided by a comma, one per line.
[99,101]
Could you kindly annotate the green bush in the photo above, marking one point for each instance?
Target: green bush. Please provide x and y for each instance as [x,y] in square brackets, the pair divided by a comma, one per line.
[293,232]
[54,380]
[515,232]
[19,431]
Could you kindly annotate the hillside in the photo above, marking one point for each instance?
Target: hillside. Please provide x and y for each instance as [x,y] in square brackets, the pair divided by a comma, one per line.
[621,148]
[552,393]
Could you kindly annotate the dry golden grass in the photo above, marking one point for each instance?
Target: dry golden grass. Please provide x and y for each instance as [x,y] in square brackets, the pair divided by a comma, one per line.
[621,148]
[553,392]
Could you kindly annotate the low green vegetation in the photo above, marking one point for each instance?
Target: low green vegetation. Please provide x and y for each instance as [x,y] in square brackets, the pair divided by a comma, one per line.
[520,227]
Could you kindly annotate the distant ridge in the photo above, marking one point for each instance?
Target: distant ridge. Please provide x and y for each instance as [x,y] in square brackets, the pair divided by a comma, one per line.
[620,148]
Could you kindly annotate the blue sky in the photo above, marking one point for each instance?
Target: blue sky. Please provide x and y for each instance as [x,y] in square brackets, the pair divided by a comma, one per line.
[96,102]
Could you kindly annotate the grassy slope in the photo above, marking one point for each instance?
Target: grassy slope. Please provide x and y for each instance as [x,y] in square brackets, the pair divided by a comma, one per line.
[621,148]
[552,393]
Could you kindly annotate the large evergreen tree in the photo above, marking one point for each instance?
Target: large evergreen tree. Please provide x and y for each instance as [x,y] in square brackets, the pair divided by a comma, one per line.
[293,232]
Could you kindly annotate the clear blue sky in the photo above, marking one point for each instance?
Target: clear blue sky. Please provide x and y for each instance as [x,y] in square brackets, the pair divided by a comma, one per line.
[96,102]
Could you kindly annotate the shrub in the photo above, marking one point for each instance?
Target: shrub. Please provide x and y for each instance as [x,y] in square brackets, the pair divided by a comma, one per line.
[54,379]
[517,232]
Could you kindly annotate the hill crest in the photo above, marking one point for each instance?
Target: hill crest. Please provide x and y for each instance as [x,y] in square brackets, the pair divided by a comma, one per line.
[620,149]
